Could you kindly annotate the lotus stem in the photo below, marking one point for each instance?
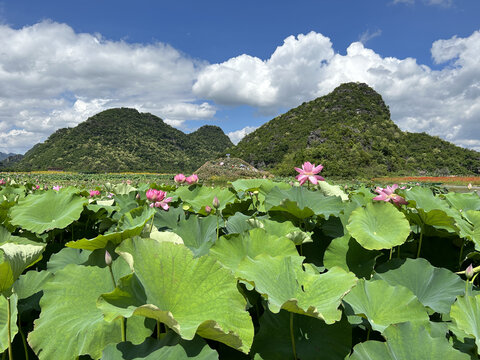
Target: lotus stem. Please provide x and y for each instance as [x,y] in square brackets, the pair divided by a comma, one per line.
[151,225]
[23,337]
[123,320]
[461,253]
[398,251]
[466,287]
[9,329]
[368,333]
[391,252]
[292,337]
[420,244]
[158,330]
[218,227]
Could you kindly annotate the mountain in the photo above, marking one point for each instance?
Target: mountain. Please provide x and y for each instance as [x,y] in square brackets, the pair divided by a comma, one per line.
[3,156]
[350,133]
[124,139]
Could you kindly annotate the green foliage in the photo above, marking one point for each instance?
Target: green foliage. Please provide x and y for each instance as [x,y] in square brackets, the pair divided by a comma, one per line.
[350,133]
[275,272]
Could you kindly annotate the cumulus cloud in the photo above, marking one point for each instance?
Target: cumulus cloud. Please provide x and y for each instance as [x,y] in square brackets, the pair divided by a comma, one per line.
[52,77]
[236,136]
[443,102]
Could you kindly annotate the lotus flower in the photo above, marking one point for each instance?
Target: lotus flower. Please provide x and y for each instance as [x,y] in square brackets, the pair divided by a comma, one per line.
[179,178]
[157,197]
[308,172]
[94,193]
[56,187]
[388,194]
[192,179]
[2,182]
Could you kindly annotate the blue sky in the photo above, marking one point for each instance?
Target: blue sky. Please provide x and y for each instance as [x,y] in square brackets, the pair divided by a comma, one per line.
[235,64]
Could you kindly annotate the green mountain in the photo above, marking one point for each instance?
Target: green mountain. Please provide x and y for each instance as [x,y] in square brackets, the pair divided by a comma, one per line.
[350,133]
[3,156]
[124,139]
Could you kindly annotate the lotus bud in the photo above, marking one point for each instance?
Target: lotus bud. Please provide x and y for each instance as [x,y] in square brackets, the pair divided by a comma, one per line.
[469,186]
[192,179]
[108,258]
[469,272]
[208,209]
[216,203]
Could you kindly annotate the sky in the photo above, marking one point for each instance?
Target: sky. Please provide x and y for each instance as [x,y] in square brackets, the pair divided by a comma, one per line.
[236,64]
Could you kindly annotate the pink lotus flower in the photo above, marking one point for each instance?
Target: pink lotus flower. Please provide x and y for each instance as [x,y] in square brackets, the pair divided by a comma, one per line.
[192,179]
[179,178]
[388,194]
[94,193]
[308,172]
[2,182]
[157,197]
[56,187]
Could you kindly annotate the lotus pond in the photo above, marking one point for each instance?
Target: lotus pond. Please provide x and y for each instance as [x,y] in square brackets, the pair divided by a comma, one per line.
[256,270]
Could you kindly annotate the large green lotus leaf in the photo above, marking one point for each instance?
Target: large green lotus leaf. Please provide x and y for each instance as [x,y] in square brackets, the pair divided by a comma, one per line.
[313,338]
[171,347]
[332,190]
[14,259]
[31,282]
[70,323]
[263,186]
[469,227]
[123,189]
[409,341]
[378,226]
[198,234]
[201,196]
[168,219]
[125,203]
[238,223]
[348,254]
[303,203]
[463,201]
[47,211]
[131,224]
[12,193]
[466,315]
[382,304]
[286,285]
[285,228]
[65,257]
[431,209]
[4,320]
[233,250]
[190,295]
[436,288]
[7,237]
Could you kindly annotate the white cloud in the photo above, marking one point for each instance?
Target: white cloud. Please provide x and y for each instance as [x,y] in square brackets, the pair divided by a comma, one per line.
[369,35]
[236,136]
[442,102]
[52,77]
[442,3]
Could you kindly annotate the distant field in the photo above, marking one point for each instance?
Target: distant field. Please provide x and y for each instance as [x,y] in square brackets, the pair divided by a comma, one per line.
[448,180]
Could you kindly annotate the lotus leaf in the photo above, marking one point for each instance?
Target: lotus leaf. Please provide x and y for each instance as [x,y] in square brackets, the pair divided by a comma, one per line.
[382,304]
[303,203]
[201,196]
[286,285]
[436,288]
[47,211]
[14,259]
[171,347]
[466,314]
[131,224]
[372,226]
[70,323]
[190,295]
[198,234]
[407,341]
[463,201]
[348,254]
